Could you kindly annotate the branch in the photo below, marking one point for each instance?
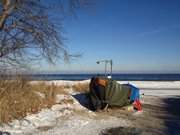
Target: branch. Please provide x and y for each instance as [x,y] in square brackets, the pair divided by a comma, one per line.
[7,9]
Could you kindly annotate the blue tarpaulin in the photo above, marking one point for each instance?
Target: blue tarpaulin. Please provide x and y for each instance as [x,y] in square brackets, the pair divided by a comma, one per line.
[134,92]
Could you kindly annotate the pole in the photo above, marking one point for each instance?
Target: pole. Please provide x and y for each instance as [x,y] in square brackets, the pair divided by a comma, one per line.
[106,62]
[111,67]
[105,68]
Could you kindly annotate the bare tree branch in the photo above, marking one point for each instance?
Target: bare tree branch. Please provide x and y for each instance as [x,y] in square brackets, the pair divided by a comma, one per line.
[27,31]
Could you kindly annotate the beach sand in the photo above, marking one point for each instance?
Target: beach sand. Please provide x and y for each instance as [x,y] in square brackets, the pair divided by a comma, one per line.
[160,115]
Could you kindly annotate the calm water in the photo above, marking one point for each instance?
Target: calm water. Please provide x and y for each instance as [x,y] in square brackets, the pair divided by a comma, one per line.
[132,77]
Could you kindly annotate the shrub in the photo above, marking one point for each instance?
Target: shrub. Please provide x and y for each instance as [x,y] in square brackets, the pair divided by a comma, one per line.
[19,97]
[81,87]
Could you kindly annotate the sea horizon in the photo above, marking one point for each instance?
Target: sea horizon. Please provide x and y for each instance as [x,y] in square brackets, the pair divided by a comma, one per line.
[115,76]
[85,76]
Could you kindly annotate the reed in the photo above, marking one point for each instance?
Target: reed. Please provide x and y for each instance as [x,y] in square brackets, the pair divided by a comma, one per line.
[81,87]
[19,97]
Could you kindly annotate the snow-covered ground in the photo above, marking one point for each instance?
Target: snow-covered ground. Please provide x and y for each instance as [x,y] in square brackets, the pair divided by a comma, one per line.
[61,82]
[74,119]
[153,88]
[157,88]
[62,119]
[83,125]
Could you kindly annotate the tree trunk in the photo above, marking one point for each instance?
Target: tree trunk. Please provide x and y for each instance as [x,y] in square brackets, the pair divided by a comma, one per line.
[7,9]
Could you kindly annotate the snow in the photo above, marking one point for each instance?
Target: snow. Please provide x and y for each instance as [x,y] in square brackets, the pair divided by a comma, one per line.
[46,117]
[61,82]
[156,88]
[154,84]
[81,125]
[73,119]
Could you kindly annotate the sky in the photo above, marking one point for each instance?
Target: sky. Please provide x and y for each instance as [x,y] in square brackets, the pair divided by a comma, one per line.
[140,36]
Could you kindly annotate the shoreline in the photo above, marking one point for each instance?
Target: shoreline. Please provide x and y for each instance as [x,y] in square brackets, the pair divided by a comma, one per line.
[159,113]
[156,88]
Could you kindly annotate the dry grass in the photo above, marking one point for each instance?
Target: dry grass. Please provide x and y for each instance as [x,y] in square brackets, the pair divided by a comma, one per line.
[81,87]
[18,98]
[49,92]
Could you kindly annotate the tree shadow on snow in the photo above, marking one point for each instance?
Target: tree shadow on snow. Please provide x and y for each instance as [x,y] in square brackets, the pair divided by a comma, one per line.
[122,131]
[172,121]
[4,133]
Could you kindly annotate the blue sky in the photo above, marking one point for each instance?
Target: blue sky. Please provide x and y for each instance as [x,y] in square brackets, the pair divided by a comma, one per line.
[140,36]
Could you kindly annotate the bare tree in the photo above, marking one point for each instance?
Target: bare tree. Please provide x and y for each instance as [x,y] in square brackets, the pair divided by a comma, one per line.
[28,33]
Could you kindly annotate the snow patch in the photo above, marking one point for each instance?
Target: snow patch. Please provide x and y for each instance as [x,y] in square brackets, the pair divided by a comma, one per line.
[45,118]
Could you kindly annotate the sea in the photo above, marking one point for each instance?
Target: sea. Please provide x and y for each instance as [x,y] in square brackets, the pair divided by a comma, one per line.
[118,77]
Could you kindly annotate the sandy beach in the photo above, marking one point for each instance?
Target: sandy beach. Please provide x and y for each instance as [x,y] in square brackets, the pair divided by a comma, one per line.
[160,115]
